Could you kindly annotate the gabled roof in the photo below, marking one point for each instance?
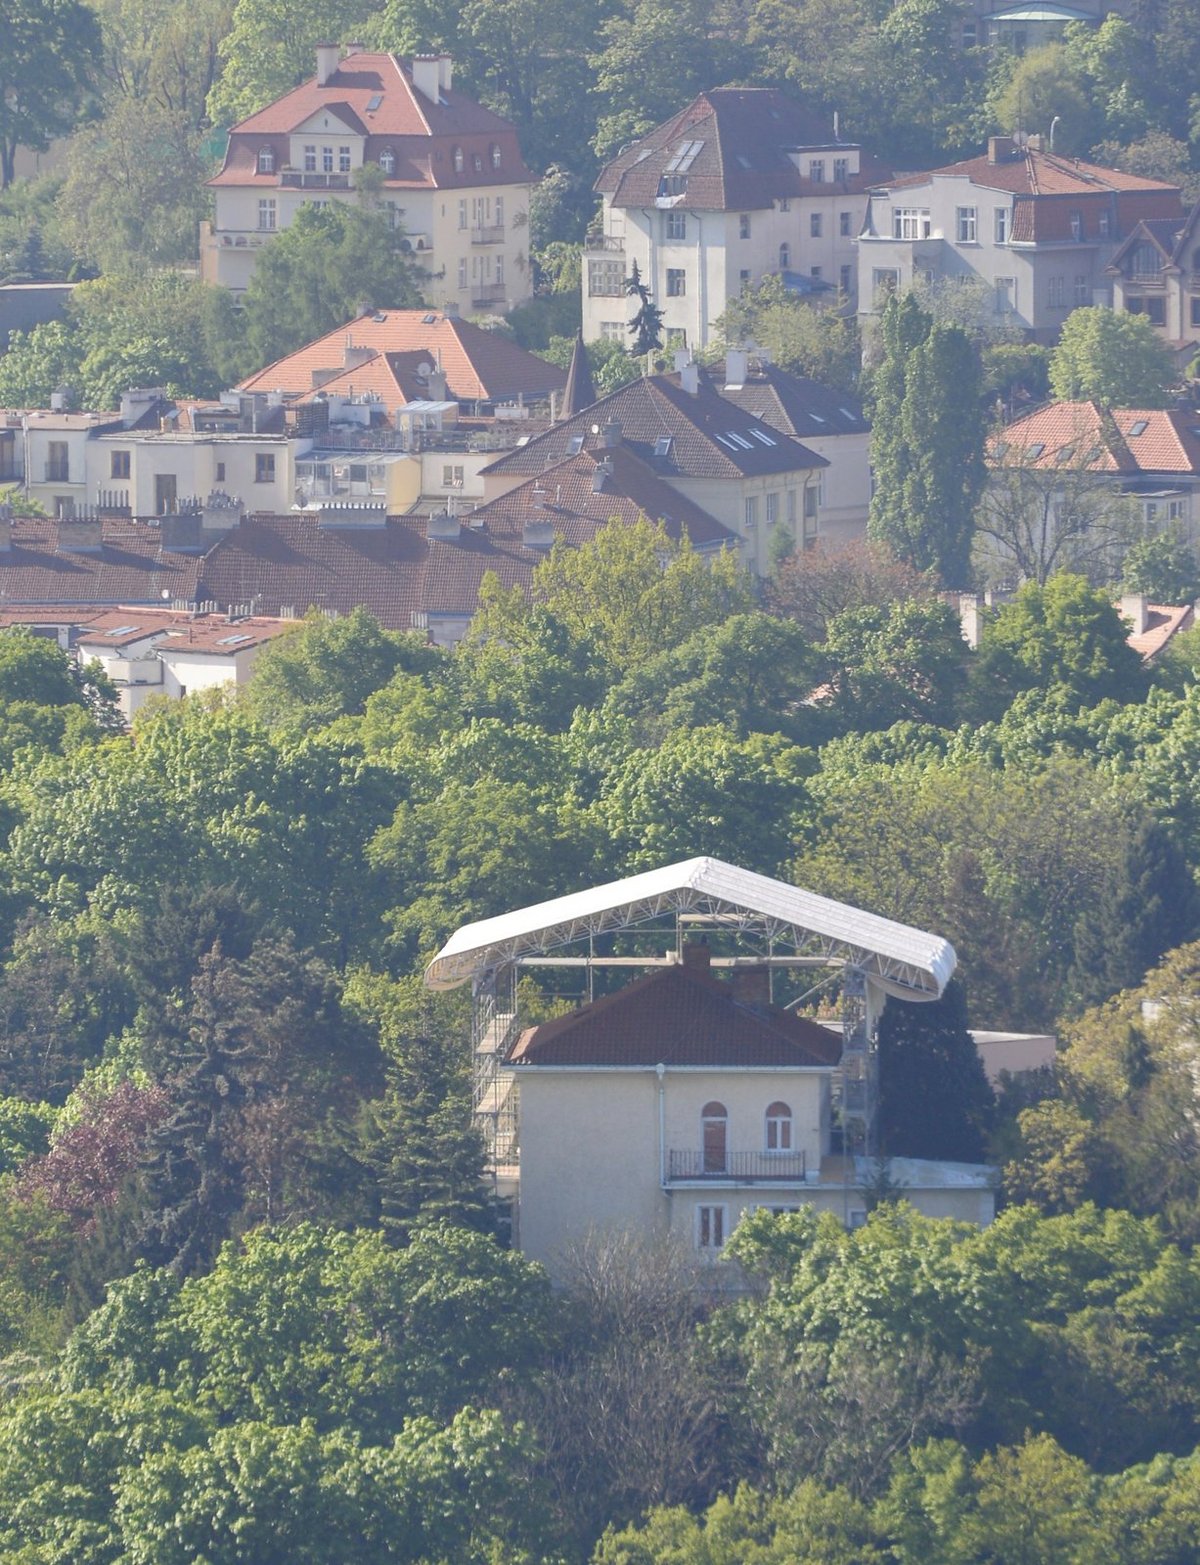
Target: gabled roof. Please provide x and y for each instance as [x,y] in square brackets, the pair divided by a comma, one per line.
[1169,235]
[1163,622]
[479,365]
[904,961]
[594,487]
[731,144]
[699,435]
[678,1016]
[131,566]
[795,404]
[580,390]
[373,96]
[1031,172]
[1124,440]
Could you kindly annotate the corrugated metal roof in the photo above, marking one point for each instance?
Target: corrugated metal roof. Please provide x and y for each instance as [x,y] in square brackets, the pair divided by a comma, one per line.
[906,962]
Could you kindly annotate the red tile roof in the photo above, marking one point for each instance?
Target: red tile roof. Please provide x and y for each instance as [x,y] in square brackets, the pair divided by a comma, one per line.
[742,163]
[1167,439]
[708,436]
[795,404]
[1163,622]
[479,365]
[678,1016]
[420,133]
[1034,173]
[579,494]
[211,634]
[130,567]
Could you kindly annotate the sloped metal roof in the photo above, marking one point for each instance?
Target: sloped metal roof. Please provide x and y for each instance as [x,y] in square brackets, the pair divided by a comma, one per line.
[906,962]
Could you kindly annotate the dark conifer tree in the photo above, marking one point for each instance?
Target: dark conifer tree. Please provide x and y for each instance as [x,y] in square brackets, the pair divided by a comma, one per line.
[646,325]
[934,1097]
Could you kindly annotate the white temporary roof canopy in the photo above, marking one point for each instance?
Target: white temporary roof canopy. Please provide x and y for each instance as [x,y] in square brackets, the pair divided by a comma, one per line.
[903,961]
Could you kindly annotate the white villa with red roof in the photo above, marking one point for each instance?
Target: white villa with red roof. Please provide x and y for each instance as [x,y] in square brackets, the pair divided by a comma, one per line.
[451,174]
[743,184]
[1039,230]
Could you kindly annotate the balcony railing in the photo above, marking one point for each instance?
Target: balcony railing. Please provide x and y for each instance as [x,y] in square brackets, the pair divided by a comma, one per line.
[740,1167]
[1148,279]
[58,473]
[611,242]
[489,293]
[300,179]
[485,234]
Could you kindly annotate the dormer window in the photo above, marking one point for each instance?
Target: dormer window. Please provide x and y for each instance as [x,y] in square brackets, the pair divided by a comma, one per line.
[459,160]
[387,161]
[495,154]
[266,160]
[477,162]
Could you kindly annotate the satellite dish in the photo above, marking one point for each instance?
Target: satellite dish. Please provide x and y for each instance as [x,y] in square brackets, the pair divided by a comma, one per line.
[424,369]
[166,593]
[595,429]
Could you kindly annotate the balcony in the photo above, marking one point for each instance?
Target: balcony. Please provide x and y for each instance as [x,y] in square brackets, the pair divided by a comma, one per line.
[57,473]
[488,235]
[736,1168]
[611,243]
[297,179]
[1147,279]
[488,293]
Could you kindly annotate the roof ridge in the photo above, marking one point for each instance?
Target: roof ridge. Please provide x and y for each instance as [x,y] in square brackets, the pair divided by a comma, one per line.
[407,84]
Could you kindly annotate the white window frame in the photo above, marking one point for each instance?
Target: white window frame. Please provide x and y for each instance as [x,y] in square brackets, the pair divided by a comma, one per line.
[1000,218]
[1083,289]
[387,161]
[966,224]
[344,160]
[816,170]
[676,282]
[674,224]
[841,170]
[268,215]
[815,225]
[712,1226]
[310,159]
[327,160]
[777,1129]
[910,222]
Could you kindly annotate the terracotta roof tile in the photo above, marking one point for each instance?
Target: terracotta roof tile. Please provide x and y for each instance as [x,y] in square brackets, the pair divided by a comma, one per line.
[212,634]
[741,163]
[480,365]
[131,566]
[705,436]
[1167,440]
[678,1016]
[1037,173]
[1164,622]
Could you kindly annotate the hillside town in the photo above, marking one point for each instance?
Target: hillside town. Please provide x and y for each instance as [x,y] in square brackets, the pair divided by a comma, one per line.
[599,738]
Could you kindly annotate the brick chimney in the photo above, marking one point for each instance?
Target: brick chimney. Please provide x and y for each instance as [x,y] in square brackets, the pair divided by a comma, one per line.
[1134,608]
[1001,149]
[80,535]
[697,956]
[752,985]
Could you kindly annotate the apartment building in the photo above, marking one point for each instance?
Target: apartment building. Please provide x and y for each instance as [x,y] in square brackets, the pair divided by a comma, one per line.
[448,172]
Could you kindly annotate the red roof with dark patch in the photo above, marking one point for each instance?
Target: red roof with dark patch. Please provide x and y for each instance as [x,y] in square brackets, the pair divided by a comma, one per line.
[679,1015]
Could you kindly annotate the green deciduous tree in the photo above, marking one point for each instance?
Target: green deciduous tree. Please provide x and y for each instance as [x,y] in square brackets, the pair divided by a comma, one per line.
[47,57]
[904,663]
[1111,357]
[800,337]
[319,272]
[927,449]
[270,48]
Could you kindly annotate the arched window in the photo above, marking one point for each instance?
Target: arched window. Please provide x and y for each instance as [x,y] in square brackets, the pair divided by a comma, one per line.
[266,160]
[713,1124]
[785,257]
[459,163]
[495,154]
[477,162]
[387,161]
[779,1127]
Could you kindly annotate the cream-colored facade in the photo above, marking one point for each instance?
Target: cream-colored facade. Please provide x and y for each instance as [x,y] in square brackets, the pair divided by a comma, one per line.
[151,471]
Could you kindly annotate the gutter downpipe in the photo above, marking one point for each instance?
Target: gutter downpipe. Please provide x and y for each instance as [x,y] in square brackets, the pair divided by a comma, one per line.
[660,1071]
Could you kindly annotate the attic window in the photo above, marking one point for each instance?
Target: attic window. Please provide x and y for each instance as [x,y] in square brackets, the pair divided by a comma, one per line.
[575,445]
[387,161]
[762,436]
[846,413]
[374,101]
[1035,450]
[459,160]
[429,320]
[685,155]
[662,446]
[725,441]
[1138,427]
[266,160]
[233,641]
[496,154]
[741,440]
[743,160]
[121,630]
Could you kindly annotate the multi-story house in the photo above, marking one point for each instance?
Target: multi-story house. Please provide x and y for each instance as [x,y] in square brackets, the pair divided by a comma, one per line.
[743,184]
[1038,230]
[448,171]
[1156,273]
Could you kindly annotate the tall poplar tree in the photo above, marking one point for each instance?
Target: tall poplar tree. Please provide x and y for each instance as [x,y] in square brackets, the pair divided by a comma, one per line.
[927,442]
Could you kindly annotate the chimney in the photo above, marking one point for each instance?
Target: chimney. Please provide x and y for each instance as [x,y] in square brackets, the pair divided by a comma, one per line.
[138,401]
[737,364]
[681,358]
[445,72]
[971,619]
[353,358]
[1001,149]
[443,526]
[1134,608]
[426,75]
[80,535]
[538,535]
[352,48]
[696,955]
[689,379]
[182,533]
[328,59]
[751,985]
[220,514]
[435,385]
[610,434]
